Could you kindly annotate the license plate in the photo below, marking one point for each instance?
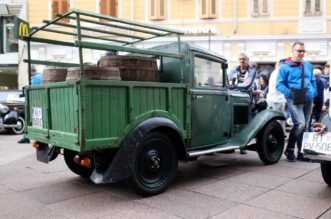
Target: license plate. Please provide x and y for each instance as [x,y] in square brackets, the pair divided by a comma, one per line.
[317,142]
[37,117]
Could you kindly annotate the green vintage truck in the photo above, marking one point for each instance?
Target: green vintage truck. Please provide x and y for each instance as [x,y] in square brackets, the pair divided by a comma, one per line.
[137,131]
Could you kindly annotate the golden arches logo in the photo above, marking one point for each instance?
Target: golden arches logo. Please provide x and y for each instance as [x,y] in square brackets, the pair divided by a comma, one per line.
[23,30]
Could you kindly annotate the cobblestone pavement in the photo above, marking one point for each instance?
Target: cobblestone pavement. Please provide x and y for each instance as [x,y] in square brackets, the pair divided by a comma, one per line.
[218,186]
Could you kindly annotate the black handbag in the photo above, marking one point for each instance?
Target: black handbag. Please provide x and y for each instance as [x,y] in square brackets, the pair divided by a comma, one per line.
[299,96]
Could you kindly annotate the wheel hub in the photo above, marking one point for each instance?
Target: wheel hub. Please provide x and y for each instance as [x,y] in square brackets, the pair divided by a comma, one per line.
[153,161]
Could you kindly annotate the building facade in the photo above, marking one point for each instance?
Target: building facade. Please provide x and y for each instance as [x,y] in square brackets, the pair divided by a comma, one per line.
[9,53]
[264,29]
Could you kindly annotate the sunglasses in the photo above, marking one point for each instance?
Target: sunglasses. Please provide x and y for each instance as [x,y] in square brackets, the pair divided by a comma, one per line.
[300,51]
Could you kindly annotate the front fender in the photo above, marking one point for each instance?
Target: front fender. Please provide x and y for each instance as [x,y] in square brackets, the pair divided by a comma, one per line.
[254,126]
[121,166]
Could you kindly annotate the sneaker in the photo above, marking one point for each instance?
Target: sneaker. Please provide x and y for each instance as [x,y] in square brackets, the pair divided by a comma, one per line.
[243,151]
[300,157]
[24,140]
[290,156]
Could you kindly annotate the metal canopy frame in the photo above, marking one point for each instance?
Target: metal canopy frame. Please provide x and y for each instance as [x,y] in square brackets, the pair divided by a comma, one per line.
[114,39]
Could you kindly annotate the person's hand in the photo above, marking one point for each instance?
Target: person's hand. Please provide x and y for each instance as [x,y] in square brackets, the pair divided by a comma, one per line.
[324,108]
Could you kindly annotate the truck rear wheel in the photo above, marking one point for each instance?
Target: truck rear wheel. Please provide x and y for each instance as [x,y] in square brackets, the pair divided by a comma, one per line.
[69,155]
[326,172]
[154,165]
[270,143]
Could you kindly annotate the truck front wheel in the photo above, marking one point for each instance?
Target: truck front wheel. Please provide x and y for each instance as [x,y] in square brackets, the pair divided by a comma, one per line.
[154,165]
[326,172]
[69,155]
[270,143]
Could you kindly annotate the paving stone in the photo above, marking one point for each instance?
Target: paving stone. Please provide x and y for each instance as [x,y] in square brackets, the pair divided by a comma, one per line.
[290,204]
[230,190]
[28,179]
[299,165]
[314,176]
[188,204]
[102,205]
[4,190]
[211,168]
[31,162]
[60,192]
[276,170]
[189,180]
[244,211]
[261,180]
[17,205]
[326,215]
[139,211]
[307,189]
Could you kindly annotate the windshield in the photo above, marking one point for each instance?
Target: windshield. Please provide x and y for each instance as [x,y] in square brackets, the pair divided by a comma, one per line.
[9,96]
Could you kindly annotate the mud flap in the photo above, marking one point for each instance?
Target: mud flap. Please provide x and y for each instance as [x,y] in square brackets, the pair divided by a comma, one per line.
[45,153]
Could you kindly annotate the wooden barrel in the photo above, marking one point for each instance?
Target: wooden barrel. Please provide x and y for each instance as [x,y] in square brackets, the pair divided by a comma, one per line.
[94,73]
[133,68]
[128,61]
[54,74]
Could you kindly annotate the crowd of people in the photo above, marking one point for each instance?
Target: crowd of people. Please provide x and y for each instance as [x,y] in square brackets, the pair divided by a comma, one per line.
[294,88]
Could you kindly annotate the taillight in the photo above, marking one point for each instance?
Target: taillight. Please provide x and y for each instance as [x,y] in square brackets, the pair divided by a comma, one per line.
[35,144]
[86,162]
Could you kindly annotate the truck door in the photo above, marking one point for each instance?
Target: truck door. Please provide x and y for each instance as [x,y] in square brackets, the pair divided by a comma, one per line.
[210,111]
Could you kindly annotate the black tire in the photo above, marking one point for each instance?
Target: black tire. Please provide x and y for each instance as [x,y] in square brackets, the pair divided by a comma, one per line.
[154,166]
[270,143]
[69,155]
[21,126]
[326,172]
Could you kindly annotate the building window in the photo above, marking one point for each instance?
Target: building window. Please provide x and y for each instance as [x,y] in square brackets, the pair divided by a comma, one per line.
[60,6]
[208,8]
[109,8]
[158,9]
[312,8]
[8,42]
[260,8]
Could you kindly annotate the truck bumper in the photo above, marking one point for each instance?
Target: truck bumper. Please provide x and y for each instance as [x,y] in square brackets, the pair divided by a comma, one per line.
[316,156]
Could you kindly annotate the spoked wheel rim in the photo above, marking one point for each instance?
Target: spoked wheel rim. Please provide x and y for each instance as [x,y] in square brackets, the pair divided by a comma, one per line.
[154,165]
[20,126]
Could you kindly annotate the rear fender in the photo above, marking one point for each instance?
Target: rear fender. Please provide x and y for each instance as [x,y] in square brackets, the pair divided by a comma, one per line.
[121,166]
[255,126]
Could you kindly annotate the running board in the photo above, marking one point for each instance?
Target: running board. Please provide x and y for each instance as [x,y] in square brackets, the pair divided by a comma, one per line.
[211,150]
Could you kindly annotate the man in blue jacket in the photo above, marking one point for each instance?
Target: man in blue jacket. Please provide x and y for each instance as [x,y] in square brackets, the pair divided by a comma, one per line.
[289,79]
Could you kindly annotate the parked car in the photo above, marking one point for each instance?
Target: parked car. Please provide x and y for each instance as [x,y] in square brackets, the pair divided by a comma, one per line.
[317,146]
[13,100]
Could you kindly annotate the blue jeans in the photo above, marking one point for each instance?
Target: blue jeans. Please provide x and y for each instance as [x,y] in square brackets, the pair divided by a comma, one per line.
[300,115]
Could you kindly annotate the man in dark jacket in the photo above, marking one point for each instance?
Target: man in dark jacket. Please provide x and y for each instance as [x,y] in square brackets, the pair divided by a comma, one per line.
[318,100]
[288,80]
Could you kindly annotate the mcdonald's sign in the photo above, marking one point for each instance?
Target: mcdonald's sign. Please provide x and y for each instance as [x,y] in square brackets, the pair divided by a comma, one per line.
[21,28]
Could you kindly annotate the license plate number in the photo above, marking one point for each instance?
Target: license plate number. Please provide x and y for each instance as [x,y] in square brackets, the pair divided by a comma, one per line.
[37,117]
[316,142]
